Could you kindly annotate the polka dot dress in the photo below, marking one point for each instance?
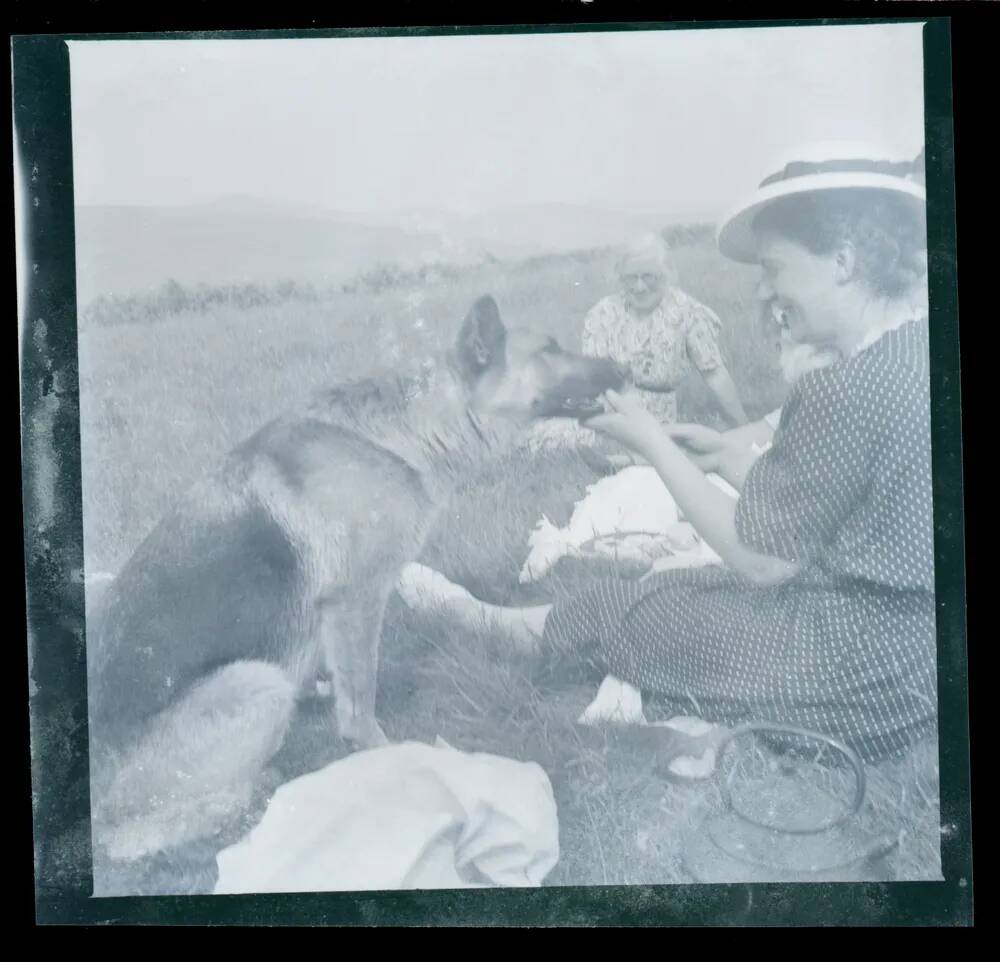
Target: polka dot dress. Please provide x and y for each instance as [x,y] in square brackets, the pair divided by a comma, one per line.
[847,647]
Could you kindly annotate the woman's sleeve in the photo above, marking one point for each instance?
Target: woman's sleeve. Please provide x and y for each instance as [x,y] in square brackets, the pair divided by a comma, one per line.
[702,338]
[819,470]
[595,338]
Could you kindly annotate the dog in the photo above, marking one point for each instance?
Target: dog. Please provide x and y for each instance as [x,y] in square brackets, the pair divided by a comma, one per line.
[277,568]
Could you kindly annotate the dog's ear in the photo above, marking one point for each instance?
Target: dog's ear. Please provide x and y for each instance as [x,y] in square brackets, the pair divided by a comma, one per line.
[482,341]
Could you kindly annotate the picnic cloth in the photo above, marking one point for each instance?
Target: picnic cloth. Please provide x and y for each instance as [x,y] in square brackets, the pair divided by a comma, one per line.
[630,518]
[406,816]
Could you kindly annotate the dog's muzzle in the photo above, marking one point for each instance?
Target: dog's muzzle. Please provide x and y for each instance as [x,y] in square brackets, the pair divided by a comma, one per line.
[579,396]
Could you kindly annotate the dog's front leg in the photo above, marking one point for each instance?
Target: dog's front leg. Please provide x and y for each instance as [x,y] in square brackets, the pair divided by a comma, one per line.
[351,623]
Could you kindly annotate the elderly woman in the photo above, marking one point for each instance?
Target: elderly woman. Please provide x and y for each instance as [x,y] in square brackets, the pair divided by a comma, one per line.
[822,614]
[659,333]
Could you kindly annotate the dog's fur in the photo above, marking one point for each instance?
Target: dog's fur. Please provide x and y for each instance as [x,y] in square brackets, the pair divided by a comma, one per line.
[278,567]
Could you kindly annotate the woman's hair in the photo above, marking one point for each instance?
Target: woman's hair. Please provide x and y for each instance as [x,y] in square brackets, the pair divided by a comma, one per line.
[887,231]
[648,245]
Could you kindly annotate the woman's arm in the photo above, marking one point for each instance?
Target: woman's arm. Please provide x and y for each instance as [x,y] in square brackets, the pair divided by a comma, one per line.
[721,385]
[730,454]
[701,340]
[710,511]
[713,515]
[746,435]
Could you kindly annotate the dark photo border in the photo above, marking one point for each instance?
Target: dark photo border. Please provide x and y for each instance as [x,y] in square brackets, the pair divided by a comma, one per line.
[53,556]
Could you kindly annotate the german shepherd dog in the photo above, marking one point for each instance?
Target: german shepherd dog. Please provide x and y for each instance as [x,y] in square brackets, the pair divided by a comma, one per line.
[278,567]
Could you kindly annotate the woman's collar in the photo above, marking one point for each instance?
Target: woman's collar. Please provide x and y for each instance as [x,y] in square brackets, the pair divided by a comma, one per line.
[914,311]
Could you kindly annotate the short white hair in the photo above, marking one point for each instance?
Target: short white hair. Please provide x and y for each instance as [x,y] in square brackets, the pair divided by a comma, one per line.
[648,245]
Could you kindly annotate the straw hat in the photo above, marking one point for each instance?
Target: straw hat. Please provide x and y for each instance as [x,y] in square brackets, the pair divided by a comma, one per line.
[819,167]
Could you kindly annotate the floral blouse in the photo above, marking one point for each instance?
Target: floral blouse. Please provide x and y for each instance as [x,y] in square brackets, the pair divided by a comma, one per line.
[659,349]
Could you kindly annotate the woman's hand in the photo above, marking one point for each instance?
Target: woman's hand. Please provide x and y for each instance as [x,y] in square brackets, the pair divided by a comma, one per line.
[730,453]
[706,447]
[629,423]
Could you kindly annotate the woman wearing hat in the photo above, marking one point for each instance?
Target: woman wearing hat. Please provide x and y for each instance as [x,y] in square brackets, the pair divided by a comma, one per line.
[822,614]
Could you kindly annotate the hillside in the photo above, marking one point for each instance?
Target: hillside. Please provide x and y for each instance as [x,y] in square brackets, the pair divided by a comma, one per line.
[240,239]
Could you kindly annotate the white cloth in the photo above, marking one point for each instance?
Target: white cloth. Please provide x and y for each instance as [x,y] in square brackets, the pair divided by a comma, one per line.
[772,419]
[626,517]
[407,816]
[617,702]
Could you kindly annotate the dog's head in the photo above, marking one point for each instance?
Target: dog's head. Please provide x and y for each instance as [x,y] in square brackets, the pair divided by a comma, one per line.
[522,375]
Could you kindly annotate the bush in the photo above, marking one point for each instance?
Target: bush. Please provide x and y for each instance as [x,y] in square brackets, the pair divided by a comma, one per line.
[173,298]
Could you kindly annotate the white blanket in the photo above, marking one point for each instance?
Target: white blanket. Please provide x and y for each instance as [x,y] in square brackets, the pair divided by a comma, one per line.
[407,816]
[628,517]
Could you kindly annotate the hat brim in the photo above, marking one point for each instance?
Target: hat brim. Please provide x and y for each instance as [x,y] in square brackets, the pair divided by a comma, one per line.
[736,238]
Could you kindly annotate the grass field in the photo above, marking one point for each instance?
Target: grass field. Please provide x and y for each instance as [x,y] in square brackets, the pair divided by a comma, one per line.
[161,401]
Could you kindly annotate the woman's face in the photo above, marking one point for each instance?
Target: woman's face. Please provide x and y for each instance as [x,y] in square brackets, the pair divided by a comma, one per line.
[644,282]
[800,288]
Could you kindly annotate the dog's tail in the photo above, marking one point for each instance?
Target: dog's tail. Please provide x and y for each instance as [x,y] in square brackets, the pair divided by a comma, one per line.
[195,768]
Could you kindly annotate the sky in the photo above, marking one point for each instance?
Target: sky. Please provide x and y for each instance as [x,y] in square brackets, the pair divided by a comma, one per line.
[671,121]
